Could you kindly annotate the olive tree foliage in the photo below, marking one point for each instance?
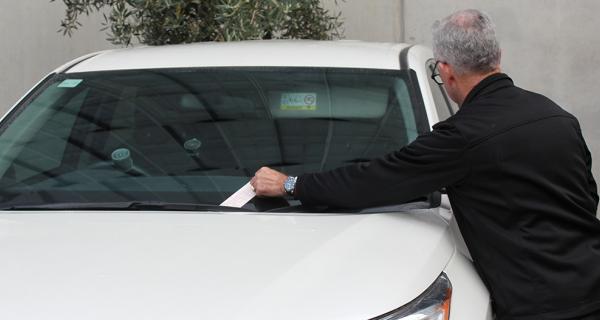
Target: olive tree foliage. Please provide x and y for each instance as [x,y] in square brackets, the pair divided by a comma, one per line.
[158,22]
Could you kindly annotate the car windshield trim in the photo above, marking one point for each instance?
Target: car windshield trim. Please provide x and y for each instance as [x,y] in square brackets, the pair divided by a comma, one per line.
[126,205]
[417,204]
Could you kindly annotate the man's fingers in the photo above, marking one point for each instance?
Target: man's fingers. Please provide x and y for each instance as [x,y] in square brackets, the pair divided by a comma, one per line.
[260,189]
[264,170]
[268,182]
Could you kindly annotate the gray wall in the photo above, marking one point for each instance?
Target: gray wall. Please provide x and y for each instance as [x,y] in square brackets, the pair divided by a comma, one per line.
[549,46]
[370,20]
[31,47]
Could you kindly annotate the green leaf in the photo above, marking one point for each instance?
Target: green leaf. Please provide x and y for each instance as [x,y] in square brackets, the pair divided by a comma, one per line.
[158,22]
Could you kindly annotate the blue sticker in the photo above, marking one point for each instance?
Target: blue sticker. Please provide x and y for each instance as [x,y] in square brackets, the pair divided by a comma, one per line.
[70,83]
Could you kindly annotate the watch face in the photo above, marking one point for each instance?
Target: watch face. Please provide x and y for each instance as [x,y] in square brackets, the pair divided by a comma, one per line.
[289,184]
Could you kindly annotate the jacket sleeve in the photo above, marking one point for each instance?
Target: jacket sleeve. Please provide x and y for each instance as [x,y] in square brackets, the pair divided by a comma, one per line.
[591,181]
[588,163]
[432,161]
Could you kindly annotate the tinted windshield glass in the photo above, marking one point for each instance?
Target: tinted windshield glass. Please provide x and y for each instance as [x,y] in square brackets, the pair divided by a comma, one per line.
[196,135]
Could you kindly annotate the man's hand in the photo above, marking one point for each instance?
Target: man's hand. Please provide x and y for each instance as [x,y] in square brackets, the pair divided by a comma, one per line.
[268,183]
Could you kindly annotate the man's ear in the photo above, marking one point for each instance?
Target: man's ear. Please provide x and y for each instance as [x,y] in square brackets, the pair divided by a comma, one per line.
[448,71]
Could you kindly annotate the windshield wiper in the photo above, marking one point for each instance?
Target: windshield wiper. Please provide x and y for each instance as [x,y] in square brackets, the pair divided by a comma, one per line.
[401,207]
[127,205]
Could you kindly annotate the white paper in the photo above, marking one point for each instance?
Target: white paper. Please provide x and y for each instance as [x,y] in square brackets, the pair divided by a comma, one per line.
[240,197]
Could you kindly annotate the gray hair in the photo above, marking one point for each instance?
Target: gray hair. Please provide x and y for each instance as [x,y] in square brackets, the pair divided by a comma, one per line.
[467,41]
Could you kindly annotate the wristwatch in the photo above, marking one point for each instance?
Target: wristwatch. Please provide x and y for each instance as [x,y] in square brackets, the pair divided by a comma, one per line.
[290,185]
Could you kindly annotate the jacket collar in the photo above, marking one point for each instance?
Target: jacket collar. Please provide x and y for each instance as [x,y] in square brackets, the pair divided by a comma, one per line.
[491,83]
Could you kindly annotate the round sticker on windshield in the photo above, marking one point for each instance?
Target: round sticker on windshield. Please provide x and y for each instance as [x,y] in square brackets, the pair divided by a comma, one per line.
[120,154]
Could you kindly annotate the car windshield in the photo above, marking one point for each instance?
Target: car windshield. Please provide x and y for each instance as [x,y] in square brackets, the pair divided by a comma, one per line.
[196,135]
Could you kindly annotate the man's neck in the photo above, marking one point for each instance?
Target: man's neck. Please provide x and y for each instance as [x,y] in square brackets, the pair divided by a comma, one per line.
[468,81]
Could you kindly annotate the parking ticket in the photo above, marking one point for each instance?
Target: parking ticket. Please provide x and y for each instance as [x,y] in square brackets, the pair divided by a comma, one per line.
[240,197]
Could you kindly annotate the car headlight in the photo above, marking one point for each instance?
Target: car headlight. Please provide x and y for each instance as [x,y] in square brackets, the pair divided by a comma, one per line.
[433,304]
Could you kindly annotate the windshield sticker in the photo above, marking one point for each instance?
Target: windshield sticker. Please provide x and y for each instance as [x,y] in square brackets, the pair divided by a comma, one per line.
[70,83]
[299,101]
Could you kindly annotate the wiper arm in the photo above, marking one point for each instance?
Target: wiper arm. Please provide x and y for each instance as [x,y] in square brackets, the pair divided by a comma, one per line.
[127,205]
[401,207]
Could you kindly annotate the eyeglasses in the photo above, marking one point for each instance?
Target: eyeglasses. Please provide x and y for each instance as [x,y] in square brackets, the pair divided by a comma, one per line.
[435,74]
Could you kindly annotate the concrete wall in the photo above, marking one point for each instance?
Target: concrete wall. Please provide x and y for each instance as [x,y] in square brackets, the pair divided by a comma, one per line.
[31,47]
[370,20]
[549,46]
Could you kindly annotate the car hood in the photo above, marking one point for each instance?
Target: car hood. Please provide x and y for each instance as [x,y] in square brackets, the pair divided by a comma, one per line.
[173,265]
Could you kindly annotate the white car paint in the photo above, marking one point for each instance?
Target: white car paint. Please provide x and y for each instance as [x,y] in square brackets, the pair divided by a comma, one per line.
[297,53]
[169,265]
[417,60]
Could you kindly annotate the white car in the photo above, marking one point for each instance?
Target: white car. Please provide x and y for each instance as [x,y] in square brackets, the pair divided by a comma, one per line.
[113,169]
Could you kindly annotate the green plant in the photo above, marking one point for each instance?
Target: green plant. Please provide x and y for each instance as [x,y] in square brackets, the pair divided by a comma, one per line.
[158,22]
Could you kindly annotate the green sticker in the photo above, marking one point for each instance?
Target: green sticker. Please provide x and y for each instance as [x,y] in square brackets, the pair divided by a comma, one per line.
[70,83]
[298,101]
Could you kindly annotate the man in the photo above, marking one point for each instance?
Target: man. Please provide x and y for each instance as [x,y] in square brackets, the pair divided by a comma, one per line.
[517,171]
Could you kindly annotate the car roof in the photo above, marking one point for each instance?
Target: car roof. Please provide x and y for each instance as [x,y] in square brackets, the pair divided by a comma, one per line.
[252,53]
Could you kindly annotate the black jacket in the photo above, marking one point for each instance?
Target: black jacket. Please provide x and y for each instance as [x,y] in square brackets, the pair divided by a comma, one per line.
[518,175]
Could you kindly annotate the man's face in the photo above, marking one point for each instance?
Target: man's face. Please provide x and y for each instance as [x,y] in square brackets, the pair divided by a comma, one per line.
[450,81]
